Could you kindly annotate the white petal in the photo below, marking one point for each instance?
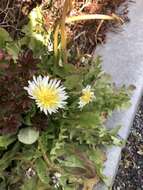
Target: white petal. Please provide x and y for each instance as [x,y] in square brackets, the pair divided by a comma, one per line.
[44,83]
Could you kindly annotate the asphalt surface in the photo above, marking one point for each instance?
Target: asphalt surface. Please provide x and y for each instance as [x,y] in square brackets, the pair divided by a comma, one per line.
[130,172]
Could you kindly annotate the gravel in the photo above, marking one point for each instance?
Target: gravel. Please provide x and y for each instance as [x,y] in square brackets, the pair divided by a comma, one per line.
[130,172]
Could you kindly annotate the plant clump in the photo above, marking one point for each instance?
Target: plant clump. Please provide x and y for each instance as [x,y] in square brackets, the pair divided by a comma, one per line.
[53,107]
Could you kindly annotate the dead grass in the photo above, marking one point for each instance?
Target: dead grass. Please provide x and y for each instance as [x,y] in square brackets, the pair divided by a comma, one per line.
[85,33]
[90,28]
[13,14]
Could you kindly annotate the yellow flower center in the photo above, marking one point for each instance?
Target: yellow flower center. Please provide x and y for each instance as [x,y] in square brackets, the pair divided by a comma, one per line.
[87,97]
[48,97]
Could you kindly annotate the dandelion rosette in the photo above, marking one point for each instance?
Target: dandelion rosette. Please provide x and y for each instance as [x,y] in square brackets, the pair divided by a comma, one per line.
[48,94]
[86,97]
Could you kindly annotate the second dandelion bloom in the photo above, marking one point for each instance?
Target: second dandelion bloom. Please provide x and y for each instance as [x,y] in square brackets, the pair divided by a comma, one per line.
[86,97]
[48,94]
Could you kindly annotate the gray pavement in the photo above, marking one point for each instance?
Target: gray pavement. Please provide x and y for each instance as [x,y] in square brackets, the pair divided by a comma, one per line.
[123,58]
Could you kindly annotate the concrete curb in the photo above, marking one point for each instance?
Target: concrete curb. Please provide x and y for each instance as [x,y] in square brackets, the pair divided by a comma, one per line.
[123,60]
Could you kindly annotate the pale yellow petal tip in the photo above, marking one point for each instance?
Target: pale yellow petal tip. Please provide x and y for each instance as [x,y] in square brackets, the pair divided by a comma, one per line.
[86,97]
[48,94]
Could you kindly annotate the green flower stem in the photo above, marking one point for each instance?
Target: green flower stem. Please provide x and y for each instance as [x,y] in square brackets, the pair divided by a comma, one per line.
[48,162]
[44,154]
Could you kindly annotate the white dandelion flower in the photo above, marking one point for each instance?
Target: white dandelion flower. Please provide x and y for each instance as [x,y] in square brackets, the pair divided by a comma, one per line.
[48,94]
[86,97]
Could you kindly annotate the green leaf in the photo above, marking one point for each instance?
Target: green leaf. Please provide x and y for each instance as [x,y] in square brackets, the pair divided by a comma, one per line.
[89,119]
[29,154]
[65,70]
[116,141]
[33,43]
[6,140]
[8,157]
[71,179]
[8,44]
[13,49]
[3,185]
[73,81]
[4,37]
[71,161]
[115,130]
[30,184]
[42,171]
[98,156]
[28,135]
[36,37]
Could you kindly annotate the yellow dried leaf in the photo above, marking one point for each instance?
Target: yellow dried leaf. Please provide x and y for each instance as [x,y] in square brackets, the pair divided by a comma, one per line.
[92,17]
[89,183]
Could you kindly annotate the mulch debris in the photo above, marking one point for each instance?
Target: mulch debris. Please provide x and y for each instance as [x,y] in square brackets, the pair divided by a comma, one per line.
[85,35]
